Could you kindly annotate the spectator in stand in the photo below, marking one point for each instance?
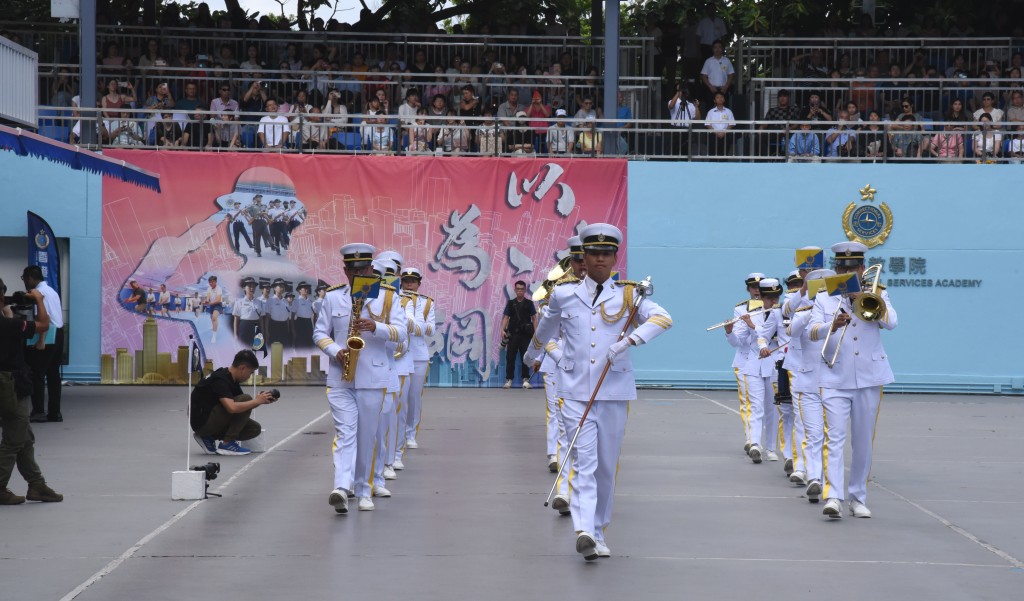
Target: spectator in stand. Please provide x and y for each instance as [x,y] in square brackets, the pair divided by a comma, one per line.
[226,56]
[347,85]
[382,135]
[224,104]
[469,103]
[314,132]
[1016,147]
[509,108]
[539,114]
[863,92]
[1015,110]
[169,133]
[804,145]
[185,58]
[948,145]
[438,84]
[420,133]
[152,56]
[335,113]
[224,132]
[498,86]
[489,138]
[845,66]
[988,142]
[359,67]
[856,121]
[560,136]
[62,90]
[590,140]
[891,92]
[717,74]
[907,107]
[873,139]
[624,115]
[773,143]
[956,111]
[710,28]
[253,66]
[840,141]
[904,138]
[391,57]
[191,100]
[682,115]
[112,55]
[587,112]
[273,129]
[719,121]
[567,63]
[454,137]
[122,130]
[959,65]
[118,95]
[977,99]
[161,98]
[292,57]
[589,89]
[408,110]
[988,107]
[815,110]
[421,67]
[253,101]
[298,112]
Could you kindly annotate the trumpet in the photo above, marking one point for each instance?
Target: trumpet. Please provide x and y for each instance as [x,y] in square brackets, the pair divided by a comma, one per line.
[729,322]
[868,306]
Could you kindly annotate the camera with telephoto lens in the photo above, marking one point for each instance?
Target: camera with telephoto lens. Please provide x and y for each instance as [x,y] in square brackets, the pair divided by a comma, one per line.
[18,301]
[211,470]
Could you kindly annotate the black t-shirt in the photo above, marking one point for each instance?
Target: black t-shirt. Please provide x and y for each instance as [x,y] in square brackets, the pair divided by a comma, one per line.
[519,315]
[13,334]
[208,393]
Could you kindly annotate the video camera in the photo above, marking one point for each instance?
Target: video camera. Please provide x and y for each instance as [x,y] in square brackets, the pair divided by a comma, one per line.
[18,301]
[211,470]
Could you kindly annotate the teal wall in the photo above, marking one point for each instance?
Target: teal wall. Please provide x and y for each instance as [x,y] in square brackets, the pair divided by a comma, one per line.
[699,228]
[71,202]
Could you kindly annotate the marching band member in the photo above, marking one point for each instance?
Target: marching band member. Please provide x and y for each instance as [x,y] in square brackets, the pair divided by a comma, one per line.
[774,328]
[589,316]
[423,311]
[740,356]
[356,405]
[760,374]
[804,361]
[381,452]
[852,387]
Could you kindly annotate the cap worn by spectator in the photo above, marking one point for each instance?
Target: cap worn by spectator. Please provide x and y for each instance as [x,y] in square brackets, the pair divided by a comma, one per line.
[560,113]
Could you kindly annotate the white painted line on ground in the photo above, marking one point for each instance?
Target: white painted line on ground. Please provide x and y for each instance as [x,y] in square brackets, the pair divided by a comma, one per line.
[113,565]
[964,533]
[831,561]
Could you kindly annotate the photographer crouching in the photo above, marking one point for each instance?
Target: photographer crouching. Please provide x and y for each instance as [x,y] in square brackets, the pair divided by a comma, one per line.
[220,410]
[17,443]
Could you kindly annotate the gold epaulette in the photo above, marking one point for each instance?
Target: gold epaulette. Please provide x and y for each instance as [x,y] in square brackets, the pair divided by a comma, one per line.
[338,287]
[568,278]
[741,303]
[807,308]
[627,283]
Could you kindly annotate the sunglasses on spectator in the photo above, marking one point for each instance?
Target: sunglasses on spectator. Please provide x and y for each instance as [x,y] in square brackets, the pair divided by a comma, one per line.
[906,106]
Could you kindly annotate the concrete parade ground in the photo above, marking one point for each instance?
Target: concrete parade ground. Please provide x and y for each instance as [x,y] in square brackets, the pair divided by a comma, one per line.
[694,518]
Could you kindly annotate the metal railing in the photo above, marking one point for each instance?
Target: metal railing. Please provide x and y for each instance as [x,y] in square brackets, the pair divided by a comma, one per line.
[18,98]
[453,135]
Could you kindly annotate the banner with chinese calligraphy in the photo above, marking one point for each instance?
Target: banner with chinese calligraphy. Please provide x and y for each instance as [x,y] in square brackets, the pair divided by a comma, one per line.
[175,263]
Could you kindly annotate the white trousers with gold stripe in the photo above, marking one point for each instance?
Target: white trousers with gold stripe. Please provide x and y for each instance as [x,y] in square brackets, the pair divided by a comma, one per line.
[415,401]
[764,416]
[356,414]
[741,392]
[812,416]
[595,459]
[557,441]
[853,414]
[396,429]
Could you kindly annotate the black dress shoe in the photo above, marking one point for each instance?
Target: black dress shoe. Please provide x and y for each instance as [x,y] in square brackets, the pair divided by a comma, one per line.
[55,418]
[37,418]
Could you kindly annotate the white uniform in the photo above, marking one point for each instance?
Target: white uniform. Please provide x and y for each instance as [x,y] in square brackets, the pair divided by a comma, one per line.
[356,406]
[588,327]
[394,432]
[852,391]
[739,359]
[760,376]
[557,440]
[790,426]
[423,313]
[803,362]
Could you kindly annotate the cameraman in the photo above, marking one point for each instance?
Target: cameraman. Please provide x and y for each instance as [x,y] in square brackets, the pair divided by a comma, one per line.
[220,411]
[17,443]
[517,327]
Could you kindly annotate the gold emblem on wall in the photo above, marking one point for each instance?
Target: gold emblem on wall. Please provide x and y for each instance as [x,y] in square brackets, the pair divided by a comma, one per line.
[866,223]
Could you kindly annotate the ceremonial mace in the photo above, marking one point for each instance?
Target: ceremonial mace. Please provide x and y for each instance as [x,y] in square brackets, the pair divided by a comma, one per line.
[643,290]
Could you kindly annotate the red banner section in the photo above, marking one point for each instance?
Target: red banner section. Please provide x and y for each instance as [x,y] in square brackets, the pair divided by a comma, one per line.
[173,263]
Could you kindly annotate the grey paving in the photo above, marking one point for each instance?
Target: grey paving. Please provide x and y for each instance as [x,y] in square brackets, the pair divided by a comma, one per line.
[693,517]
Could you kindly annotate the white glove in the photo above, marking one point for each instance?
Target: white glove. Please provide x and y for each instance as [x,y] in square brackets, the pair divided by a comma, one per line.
[617,348]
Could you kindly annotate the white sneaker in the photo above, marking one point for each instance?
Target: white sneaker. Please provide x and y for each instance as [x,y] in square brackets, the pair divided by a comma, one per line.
[859,510]
[339,500]
[553,464]
[586,546]
[508,384]
[412,444]
[755,453]
[833,509]
[798,478]
[813,491]
[398,465]
[378,491]
[389,473]
[771,455]
[788,467]
[526,385]
[365,504]
[560,504]
[602,549]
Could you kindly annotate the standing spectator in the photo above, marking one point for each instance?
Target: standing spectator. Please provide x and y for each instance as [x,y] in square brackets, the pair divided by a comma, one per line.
[948,145]
[710,29]
[560,137]
[774,143]
[17,442]
[988,141]
[719,120]
[988,107]
[717,74]
[273,129]
[682,115]
[538,113]
[804,145]
[47,355]
[517,326]
[840,141]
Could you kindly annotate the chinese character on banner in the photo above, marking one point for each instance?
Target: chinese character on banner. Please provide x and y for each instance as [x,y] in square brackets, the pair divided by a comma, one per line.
[917,266]
[872,261]
[42,257]
[897,264]
[461,252]
[467,340]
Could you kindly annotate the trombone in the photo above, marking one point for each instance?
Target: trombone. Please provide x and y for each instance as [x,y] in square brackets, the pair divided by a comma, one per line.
[868,306]
[729,322]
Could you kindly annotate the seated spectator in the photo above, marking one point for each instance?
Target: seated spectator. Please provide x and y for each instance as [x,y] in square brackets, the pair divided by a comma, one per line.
[273,129]
[112,55]
[904,139]
[224,132]
[454,137]
[292,57]
[190,101]
[469,103]
[855,120]
[382,136]
[161,98]
[988,141]
[840,141]
[438,108]
[490,139]
[153,57]
[408,110]
[804,145]
[862,91]
[169,133]
[816,111]
[438,85]
[1015,109]
[1016,146]
[874,142]
[226,57]
[253,66]
[62,90]
[989,108]
[122,130]
[590,140]
[298,109]
[346,85]
[624,116]
[315,134]
[253,101]
[420,133]
[948,144]
[335,113]
[587,112]
[719,120]
[498,85]
[560,137]
[509,108]
[119,94]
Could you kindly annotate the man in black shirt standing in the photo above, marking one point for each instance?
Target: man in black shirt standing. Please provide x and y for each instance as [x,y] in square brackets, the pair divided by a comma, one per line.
[220,410]
[517,327]
[17,444]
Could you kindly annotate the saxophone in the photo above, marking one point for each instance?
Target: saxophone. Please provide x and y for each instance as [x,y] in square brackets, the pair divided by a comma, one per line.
[354,343]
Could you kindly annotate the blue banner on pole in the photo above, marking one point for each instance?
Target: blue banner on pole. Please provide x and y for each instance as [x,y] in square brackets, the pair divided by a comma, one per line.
[42,250]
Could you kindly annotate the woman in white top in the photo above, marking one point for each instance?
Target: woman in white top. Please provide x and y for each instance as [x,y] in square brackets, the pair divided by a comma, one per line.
[987,142]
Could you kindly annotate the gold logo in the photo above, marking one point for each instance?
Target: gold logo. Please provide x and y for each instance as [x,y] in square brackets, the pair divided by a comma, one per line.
[866,223]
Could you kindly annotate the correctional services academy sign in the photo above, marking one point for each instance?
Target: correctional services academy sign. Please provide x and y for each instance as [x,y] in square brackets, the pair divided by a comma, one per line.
[473,226]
